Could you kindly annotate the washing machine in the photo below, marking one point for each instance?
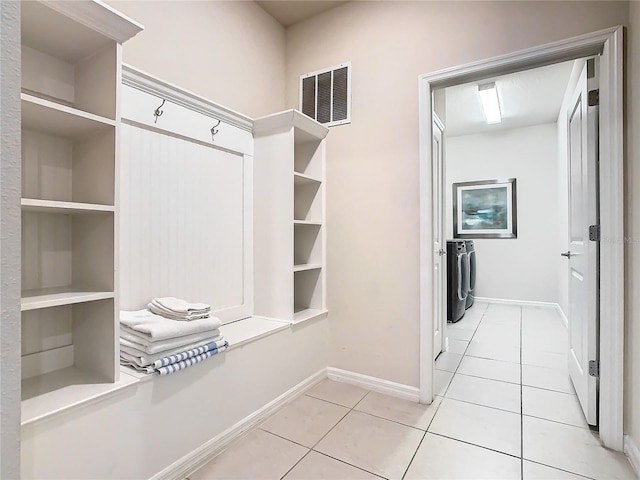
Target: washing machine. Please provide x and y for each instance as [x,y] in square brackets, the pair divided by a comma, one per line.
[471,280]
[457,274]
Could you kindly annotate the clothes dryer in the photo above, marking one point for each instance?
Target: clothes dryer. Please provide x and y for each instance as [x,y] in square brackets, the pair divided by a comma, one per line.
[457,268]
[471,280]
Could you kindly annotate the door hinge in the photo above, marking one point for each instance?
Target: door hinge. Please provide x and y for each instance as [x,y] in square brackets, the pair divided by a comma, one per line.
[594,233]
[594,368]
[594,97]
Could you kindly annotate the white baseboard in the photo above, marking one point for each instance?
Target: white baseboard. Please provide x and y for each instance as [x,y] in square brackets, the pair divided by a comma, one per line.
[376,384]
[504,301]
[632,453]
[200,456]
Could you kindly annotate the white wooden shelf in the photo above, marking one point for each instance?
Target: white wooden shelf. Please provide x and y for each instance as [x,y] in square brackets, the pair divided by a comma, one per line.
[302,179]
[61,390]
[73,30]
[56,119]
[251,329]
[307,223]
[55,206]
[304,314]
[307,266]
[290,144]
[55,297]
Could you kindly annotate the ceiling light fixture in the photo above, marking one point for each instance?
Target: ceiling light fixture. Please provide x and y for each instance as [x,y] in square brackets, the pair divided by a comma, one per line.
[489,98]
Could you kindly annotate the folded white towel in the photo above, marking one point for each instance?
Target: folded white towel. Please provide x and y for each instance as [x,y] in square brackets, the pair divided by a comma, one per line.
[157,328]
[134,341]
[170,314]
[179,306]
[144,359]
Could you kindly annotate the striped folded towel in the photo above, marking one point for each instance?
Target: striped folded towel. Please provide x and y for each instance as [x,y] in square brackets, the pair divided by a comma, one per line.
[129,351]
[194,352]
[176,367]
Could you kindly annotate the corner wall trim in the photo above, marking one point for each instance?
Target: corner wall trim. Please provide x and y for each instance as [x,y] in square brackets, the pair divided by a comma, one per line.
[565,320]
[200,456]
[376,384]
[632,453]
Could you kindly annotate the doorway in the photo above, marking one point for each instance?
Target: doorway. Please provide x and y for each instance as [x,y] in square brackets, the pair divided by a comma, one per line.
[608,44]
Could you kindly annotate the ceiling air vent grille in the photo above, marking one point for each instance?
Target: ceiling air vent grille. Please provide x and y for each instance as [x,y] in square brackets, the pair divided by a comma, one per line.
[325,95]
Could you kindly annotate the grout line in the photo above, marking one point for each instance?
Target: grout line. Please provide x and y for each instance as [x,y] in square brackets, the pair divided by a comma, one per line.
[296,464]
[329,401]
[560,469]
[351,409]
[312,449]
[587,427]
[521,407]
[482,405]
[338,422]
[550,390]
[351,465]
[490,379]
[406,470]
[392,421]
[495,359]
[487,378]
[474,445]
[283,438]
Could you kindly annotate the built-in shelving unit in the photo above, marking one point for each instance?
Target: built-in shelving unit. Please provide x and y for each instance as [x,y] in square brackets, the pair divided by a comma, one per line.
[289,211]
[70,81]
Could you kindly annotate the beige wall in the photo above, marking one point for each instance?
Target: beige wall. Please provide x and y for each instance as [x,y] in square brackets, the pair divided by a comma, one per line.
[632,247]
[229,52]
[372,164]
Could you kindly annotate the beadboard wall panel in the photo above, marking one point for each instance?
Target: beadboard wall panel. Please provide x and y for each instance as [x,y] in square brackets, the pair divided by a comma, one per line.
[184,222]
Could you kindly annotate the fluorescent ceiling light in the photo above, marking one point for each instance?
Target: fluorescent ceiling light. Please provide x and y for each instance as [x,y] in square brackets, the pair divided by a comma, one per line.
[489,98]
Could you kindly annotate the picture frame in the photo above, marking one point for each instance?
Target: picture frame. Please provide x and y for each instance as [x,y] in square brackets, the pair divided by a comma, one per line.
[485,209]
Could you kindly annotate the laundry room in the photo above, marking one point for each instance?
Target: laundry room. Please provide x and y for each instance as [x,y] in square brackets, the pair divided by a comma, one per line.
[521,156]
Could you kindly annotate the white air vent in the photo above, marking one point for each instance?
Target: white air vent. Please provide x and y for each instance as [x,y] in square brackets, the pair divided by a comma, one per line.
[325,95]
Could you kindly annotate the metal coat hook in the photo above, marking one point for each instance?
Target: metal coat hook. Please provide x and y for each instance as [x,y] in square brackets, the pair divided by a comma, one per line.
[214,130]
[157,112]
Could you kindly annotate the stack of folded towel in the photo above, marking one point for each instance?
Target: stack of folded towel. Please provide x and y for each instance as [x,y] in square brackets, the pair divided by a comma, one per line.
[154,344]
[178,309]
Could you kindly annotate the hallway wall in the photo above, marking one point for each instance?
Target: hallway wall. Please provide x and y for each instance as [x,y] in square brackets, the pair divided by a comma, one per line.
[526,267]
[227,51]
[373,163]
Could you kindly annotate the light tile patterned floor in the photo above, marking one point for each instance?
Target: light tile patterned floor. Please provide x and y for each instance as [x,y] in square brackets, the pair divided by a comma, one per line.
[505,409]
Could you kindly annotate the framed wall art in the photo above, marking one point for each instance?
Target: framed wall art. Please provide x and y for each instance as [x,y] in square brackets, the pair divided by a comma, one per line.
[485,209]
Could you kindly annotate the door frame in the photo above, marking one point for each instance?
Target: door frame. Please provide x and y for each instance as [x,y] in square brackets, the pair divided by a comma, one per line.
[611,137]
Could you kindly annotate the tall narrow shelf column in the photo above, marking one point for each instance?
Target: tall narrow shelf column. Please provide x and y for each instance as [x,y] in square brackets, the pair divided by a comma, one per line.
[71,69]
[289,217]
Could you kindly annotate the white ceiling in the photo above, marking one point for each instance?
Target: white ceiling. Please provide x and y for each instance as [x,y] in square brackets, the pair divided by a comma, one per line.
[530,97]
[294,11]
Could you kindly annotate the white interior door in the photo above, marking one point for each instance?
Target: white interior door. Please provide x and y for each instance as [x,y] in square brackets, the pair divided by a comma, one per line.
[439,250]
[583,253]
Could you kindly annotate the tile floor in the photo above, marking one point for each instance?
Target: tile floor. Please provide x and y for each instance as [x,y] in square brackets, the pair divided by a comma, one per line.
[505,409]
